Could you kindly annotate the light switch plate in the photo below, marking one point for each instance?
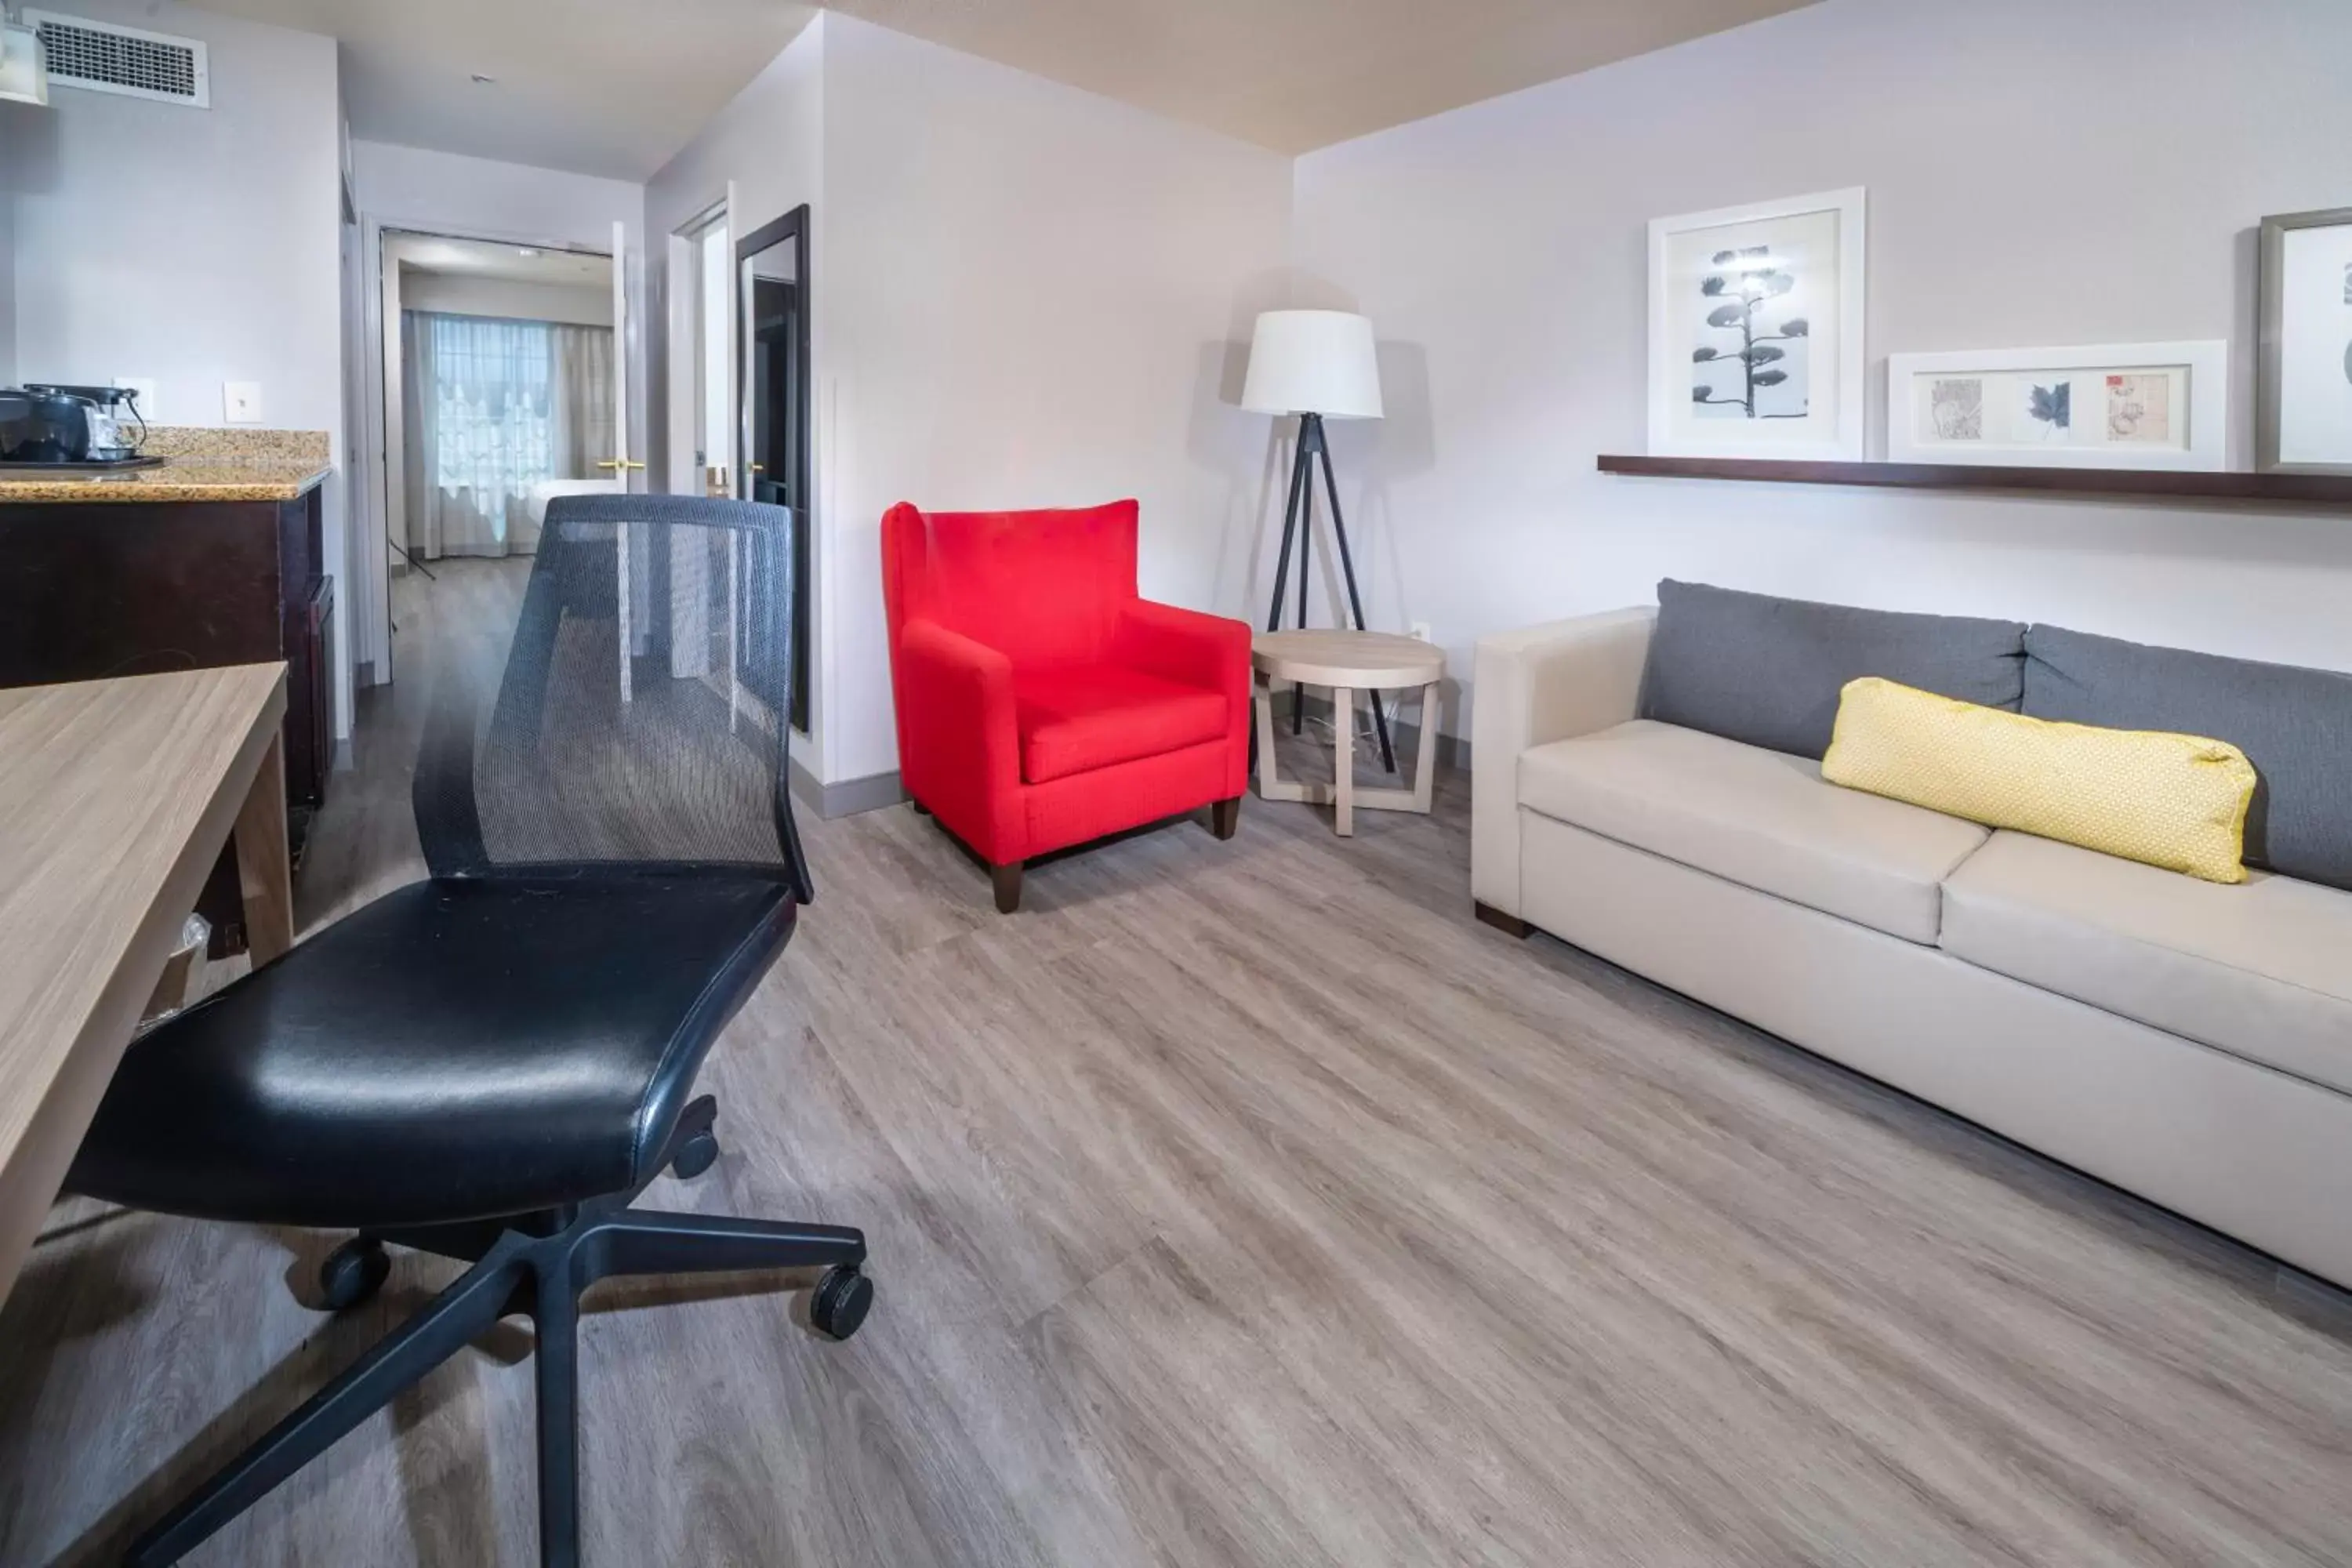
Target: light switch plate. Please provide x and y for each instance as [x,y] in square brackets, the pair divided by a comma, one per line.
[146,386]
[241,402]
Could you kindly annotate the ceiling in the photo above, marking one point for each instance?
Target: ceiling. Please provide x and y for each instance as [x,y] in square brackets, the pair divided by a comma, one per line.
[596,87]
[616,87]
[1295,75]
[507,263]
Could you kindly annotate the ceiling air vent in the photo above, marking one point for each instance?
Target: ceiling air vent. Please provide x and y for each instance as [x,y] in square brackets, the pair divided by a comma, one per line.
[102,58]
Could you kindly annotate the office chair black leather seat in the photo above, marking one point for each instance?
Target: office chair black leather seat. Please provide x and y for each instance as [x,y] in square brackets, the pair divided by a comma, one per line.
[490,1065]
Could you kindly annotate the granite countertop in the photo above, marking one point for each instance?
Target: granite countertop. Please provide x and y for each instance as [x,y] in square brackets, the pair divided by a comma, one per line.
[199,465]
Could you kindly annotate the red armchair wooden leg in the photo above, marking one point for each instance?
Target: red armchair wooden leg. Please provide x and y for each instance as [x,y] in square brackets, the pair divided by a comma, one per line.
[1008,887]
[1225,818]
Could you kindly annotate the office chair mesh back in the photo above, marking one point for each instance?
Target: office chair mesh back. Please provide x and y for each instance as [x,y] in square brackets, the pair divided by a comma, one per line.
[674,754]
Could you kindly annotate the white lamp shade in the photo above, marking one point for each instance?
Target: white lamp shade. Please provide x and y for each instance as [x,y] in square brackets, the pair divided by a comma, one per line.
[23,74]
[1313,361]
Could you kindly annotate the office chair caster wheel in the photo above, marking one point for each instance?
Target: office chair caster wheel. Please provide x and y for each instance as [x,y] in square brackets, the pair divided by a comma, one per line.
[694,1156]
[842,1299]
[352,1272]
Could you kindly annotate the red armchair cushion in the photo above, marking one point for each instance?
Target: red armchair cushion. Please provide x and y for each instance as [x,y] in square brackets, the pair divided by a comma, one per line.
[1083,717]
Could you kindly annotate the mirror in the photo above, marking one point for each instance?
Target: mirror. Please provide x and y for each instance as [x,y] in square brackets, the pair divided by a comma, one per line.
[772,385]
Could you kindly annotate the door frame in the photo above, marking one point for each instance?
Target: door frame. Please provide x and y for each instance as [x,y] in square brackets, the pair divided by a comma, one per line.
[367,560]
[793,225]
[682,383]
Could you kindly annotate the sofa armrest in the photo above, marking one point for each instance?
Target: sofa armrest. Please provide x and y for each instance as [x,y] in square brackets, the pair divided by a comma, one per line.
[1207,651]
[1541,684]
[962,758]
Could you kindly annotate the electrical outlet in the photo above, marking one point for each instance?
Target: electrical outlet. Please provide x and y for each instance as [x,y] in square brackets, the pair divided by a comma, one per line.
[1420,632]
[145,387]
[241,402]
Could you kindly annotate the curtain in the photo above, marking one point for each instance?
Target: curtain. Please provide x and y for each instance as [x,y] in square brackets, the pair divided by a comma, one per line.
[493,408]
[584,400]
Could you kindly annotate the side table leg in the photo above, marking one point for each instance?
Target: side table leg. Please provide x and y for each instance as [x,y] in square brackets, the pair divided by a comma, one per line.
[1343,758]
[1424,765]
[1264,702]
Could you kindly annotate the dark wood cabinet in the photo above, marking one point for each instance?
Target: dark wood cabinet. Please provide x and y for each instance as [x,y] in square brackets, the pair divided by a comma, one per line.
[91,589]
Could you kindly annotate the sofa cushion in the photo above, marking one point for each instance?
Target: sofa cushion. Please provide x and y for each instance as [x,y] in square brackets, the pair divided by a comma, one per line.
[1760,819]
[1752,667]
[2174,801]
[1077,719]
[2294,724]
[2258,970]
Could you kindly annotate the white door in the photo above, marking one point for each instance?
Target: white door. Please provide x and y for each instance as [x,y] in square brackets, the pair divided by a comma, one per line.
[621,463]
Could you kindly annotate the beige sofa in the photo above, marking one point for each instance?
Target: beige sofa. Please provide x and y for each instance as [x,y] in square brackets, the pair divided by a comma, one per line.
[2188,1041]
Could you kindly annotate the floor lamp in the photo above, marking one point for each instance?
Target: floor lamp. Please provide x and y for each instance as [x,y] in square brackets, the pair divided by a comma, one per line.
[1316,365]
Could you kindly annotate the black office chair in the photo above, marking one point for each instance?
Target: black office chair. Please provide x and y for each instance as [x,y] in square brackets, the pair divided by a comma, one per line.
[490,1065]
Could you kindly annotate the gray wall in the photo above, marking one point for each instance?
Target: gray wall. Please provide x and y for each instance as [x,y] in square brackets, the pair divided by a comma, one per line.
[2039,172]
[9,112]
[192,246]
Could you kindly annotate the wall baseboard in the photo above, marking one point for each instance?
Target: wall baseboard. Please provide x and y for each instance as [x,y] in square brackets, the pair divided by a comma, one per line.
[849,797]
[853,797]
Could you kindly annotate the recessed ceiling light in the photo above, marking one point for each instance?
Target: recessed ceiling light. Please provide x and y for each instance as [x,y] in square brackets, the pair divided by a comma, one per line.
[525,251]
[484,80]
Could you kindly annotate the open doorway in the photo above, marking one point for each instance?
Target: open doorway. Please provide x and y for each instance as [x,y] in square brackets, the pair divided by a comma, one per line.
[501,390]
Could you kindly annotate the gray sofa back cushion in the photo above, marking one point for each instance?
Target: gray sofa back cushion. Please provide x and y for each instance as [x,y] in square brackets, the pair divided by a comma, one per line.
[1768,671]
[2294,724]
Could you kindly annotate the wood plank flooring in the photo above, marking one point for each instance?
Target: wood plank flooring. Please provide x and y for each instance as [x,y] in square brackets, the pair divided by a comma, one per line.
[1241,1203]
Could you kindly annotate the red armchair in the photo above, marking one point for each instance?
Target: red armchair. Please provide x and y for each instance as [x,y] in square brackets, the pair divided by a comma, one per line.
[1041,702]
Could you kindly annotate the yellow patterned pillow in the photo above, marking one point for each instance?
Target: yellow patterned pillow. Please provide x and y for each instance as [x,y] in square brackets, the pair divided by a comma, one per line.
[2175,801]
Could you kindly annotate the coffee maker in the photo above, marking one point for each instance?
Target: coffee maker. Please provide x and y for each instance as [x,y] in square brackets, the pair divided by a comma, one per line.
[51,425]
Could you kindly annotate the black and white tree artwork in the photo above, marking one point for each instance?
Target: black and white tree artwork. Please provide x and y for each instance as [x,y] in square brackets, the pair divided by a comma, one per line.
[1755,366]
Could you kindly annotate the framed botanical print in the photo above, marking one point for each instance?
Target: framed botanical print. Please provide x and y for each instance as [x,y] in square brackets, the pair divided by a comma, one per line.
[2303,414]
[2108,406]
[1755,330]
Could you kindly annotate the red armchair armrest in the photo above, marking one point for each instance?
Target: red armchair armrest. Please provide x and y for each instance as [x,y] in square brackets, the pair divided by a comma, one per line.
[1184,645]
[963,745]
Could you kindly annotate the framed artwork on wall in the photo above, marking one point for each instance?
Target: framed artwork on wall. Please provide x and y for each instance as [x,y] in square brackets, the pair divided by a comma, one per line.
[1755,330]
[2106,405]
[2303,413]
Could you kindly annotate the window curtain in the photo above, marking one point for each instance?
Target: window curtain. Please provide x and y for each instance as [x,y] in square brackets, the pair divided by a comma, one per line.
[491,409]
[584,400]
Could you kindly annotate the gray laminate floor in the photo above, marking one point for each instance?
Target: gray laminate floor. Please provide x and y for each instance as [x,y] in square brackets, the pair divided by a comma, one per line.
[1242,1203]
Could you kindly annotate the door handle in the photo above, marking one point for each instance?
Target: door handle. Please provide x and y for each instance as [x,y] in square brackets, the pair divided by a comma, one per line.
[621,463]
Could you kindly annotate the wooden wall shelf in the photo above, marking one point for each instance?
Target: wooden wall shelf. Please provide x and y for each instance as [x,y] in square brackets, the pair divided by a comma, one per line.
[2148,484]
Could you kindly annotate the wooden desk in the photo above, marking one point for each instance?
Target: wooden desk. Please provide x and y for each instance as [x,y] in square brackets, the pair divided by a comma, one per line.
[116,797]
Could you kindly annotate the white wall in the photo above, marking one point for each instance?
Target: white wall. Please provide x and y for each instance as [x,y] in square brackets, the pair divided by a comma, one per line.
[1025,295]
[768,143]
[192,246]
[511,298]
[8,111]
[1039,298]
[2037,173]
[447,193]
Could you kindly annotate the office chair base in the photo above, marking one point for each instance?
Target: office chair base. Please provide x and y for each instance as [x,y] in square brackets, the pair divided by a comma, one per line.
[842,1299]
[694,1146]
[538,1264]
[352,1273]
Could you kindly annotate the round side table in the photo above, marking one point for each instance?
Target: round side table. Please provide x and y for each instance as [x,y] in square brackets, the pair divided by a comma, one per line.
[1347,662]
